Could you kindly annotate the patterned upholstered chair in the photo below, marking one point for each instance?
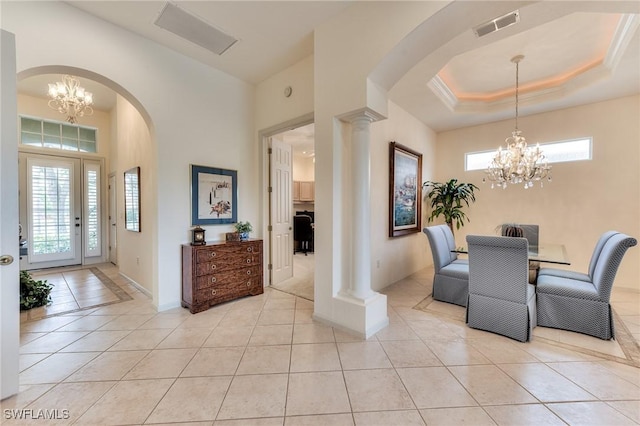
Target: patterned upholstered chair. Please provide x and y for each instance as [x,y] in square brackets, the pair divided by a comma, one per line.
[451,279]
[592,264]
[531,233]
[580,302]
[501,300]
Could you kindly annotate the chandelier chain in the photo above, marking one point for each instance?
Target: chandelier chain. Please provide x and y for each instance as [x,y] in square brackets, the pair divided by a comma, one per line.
[518,163]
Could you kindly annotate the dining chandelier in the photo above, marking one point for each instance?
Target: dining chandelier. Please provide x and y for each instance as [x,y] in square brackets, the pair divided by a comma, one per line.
[68,97]
[518,163]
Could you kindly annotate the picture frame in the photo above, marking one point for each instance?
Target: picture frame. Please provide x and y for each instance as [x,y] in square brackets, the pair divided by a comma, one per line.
[405,184]
[214,195]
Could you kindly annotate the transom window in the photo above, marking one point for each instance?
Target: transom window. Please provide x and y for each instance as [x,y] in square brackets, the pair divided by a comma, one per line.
[57,135]
[555,152]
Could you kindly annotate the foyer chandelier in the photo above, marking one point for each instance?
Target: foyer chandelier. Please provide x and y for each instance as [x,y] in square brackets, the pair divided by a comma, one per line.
[518,163]
[69,98]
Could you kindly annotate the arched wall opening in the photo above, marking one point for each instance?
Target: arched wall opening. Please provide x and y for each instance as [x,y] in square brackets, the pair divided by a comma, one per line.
[125,140]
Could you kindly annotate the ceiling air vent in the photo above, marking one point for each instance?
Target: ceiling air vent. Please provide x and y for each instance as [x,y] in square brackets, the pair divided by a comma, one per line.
[497,24]
[194,29]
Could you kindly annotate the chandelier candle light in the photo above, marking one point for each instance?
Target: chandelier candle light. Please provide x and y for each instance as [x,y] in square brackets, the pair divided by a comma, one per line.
[518,163]
[68,97]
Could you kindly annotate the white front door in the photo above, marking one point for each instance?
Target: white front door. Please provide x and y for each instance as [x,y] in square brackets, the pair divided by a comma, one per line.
[113,220]
[281,212]
[53,207]
[9,269]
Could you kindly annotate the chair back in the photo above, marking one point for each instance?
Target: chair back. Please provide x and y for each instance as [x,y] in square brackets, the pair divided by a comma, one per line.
[530,232]
[598,249]
[302,230]
[499,267]
[442,242]
[608,262]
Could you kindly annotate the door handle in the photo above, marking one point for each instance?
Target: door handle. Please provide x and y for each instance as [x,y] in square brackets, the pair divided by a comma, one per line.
[6,260]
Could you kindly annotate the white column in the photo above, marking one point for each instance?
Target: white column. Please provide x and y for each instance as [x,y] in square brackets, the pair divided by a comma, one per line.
[360,285]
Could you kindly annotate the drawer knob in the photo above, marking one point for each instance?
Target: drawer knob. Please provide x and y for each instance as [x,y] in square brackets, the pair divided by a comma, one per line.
[248,260]
[212,254]
[249,248]
[249,272]
[248,283]
[213,279]
[212,265]
[213,292]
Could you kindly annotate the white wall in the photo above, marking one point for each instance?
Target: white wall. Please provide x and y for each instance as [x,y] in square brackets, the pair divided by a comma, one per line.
[395,258]
[196,115]
[135,149]
[584,200]
[303,169]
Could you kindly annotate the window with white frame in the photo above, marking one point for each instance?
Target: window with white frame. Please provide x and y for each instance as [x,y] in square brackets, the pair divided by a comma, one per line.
[555,152]
[57,135]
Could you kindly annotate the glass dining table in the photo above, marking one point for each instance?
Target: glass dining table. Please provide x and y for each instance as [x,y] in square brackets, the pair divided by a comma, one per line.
[547,253]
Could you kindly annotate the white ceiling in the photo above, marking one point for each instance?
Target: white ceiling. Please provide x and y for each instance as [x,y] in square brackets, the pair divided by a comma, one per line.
[474,79]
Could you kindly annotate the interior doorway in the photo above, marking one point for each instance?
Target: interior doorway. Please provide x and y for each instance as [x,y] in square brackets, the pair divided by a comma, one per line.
[292,207]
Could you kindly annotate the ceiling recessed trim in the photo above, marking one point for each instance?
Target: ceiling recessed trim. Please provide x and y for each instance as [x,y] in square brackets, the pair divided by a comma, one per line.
[191,28]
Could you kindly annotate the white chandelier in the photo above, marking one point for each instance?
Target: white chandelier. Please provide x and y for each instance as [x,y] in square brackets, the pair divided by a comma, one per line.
[68,97]
[518,163]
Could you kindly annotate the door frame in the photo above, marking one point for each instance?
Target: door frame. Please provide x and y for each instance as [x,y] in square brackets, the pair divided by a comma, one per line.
[263,137]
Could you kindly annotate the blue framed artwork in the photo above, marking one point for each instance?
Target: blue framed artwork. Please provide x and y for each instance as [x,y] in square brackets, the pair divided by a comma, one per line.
[214,196]
[405,202]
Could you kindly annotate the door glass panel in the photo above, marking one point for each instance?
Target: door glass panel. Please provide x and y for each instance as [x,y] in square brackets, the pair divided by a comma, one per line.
[92,210]
[50,189]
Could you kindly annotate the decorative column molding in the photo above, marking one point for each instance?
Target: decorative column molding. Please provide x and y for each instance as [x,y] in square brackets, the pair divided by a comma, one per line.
[359,286]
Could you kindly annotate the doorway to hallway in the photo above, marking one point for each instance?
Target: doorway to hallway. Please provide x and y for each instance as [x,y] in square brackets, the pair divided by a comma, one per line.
[292,184]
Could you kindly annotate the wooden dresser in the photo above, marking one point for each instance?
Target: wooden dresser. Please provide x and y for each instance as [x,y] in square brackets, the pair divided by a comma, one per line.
[219,272]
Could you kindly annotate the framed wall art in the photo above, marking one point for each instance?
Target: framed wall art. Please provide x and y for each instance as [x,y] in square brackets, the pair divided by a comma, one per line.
[214,196]
[405,183]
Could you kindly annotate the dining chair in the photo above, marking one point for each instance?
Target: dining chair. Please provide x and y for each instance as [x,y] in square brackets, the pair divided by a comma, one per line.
[501,299]
[532,234]
[592,263]
[451,275]
[580,302]
[302,233]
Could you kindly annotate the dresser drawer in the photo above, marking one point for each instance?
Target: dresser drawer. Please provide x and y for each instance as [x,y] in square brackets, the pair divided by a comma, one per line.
[227,263]
[232,277]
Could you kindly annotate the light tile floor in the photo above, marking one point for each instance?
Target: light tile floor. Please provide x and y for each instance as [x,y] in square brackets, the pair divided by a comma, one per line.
[262,360]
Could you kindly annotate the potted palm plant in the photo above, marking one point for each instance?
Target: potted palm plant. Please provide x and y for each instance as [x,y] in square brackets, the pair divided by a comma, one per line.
[447,200]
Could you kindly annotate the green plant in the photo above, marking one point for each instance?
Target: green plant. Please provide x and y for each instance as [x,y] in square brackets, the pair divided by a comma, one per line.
[447,200]
[33,293]
[243,227]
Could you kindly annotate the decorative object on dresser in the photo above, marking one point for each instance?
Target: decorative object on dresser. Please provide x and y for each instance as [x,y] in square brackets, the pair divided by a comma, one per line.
[219,272]
[197,237]
[243,228]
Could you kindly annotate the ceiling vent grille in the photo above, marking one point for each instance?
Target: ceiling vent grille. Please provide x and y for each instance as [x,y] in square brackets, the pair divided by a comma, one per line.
[497,24]
[194,29]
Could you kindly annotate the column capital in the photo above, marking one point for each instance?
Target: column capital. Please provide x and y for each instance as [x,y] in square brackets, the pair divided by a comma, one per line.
[361,114]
